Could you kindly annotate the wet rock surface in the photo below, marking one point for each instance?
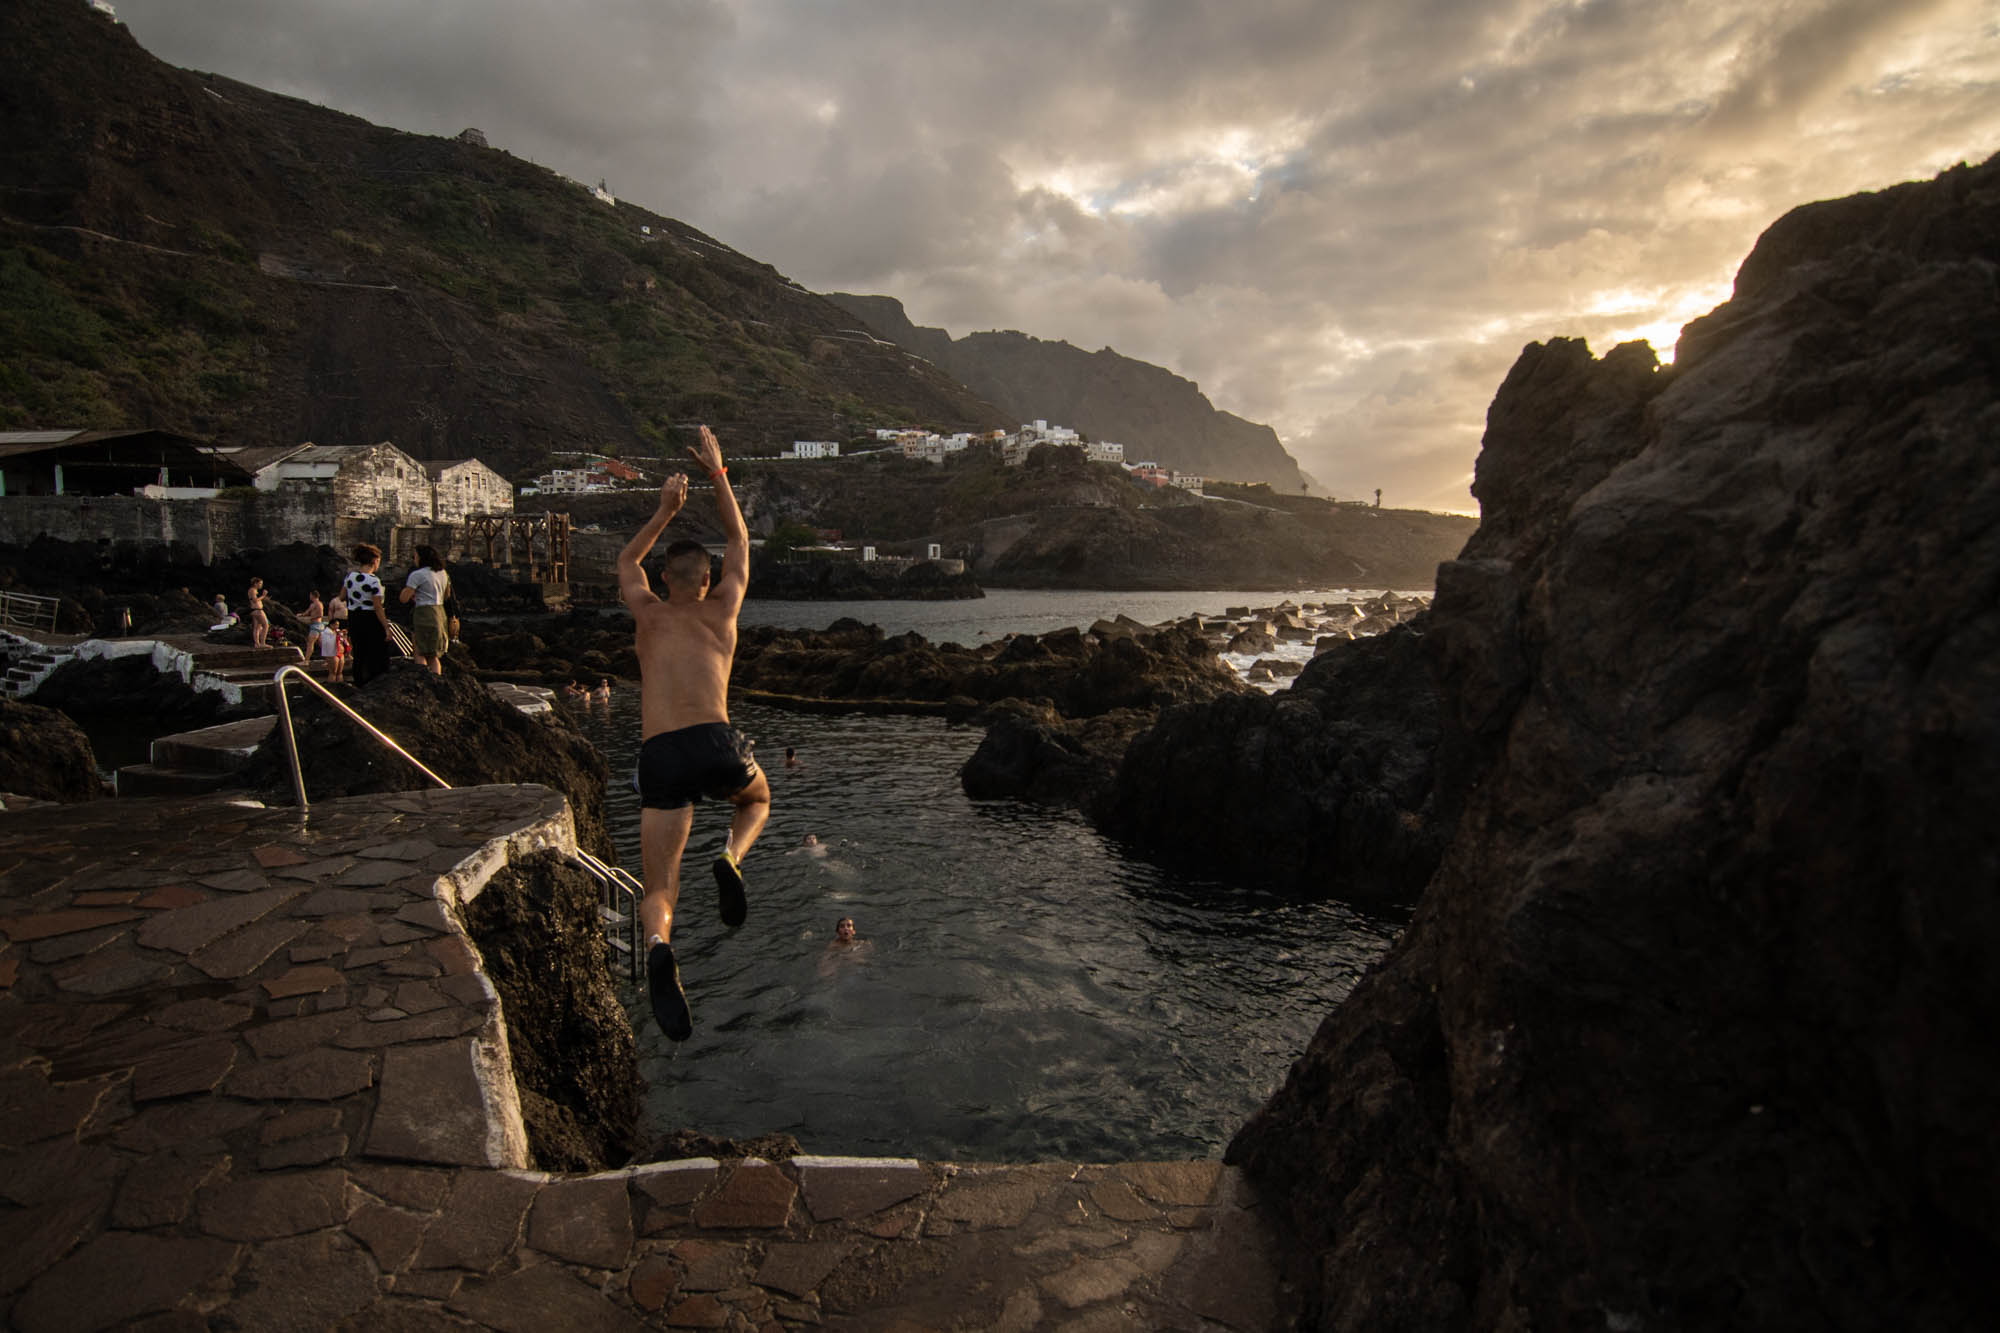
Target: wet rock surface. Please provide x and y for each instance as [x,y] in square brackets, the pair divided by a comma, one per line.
[44,755]
[1692,1027]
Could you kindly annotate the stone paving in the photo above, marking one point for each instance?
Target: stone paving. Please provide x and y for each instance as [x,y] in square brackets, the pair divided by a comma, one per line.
[252,1076]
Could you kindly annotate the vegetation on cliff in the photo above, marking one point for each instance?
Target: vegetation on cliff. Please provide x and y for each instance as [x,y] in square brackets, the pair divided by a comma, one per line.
[187,252]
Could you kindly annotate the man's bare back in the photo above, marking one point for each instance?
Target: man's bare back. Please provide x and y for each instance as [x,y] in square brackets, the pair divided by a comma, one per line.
[685,649]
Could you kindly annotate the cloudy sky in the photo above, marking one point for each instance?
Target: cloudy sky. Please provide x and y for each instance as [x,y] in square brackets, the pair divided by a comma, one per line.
[1341,217]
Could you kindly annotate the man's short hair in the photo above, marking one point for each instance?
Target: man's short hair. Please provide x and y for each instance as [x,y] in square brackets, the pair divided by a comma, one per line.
[364,553]
[685,562]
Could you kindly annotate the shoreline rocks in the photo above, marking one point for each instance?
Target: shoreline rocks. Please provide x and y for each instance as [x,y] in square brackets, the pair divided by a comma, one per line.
[45,756]
[1692,1028]
[1323,787]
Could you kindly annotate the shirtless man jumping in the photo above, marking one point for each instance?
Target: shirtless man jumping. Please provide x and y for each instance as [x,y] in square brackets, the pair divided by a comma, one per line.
[685,645]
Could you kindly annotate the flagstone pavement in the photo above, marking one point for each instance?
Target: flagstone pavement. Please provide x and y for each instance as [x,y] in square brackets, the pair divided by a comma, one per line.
[253,1077]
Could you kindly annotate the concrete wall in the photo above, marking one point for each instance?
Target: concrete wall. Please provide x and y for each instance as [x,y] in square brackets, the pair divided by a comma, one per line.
[204,526]
[208,527]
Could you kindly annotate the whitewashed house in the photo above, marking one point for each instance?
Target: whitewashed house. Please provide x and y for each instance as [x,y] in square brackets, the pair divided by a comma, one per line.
[813,449]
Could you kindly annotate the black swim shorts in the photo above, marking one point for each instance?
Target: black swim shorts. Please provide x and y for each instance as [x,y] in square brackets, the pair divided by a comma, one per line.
[677,768]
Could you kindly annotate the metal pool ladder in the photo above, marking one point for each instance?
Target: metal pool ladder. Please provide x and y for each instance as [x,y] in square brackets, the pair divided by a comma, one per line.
[620,890]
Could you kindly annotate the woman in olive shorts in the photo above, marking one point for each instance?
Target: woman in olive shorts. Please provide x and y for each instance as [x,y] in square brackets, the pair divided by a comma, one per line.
[428,586]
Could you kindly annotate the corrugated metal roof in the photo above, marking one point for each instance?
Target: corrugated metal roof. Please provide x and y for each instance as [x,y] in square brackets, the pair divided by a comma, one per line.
[257,458]
[36,436]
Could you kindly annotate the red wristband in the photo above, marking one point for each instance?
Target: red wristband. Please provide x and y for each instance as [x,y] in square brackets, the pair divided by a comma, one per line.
[718,472]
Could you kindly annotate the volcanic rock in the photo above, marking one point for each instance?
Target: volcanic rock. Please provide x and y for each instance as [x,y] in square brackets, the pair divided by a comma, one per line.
[542,943]
[1323,787]
[1075,674]
[455,727]
[45,755]
[1033,753]
[1693,1026]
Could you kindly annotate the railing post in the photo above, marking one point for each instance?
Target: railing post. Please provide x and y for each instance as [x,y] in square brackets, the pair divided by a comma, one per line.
[291,740]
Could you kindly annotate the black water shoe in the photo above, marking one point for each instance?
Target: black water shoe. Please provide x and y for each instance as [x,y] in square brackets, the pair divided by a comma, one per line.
[670,1002]
[729,891]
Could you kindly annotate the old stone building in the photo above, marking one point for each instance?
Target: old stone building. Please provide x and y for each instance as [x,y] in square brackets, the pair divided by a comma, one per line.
[376,481]
[461,487]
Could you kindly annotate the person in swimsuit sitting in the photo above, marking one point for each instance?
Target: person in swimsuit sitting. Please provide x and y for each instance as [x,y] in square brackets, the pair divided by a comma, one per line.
[685,644]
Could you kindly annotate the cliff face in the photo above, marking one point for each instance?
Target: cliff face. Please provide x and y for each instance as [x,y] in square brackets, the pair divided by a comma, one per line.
[1153,412]
[188,252]
[1693,1026]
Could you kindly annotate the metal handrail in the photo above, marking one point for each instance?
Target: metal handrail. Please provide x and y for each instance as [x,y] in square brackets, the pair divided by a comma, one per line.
[28,610]
[292,740]
[615,879]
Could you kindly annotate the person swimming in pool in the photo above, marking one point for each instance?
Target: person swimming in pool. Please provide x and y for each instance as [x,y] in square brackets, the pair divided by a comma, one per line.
[685,645]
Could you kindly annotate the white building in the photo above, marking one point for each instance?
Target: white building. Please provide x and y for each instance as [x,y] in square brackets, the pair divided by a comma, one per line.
[1187,481]
[1104,451]
[1014,449]
[813,449]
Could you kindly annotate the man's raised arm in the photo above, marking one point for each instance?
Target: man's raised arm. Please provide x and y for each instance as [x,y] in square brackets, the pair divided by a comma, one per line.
[634,589]
[735,580]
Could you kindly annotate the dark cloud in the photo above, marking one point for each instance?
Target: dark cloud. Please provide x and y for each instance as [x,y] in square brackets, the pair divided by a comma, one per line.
[1342,218]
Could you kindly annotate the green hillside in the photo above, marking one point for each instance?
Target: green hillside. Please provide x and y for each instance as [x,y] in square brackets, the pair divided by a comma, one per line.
[187,252]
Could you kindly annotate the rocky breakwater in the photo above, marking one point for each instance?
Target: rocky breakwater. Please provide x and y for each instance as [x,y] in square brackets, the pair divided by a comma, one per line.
[536,923]
[1059,707]
[1325,786]
[1693,1025]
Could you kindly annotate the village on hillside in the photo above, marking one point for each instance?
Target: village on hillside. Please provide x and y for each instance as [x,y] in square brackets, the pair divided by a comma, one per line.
[597,474]
[156,486]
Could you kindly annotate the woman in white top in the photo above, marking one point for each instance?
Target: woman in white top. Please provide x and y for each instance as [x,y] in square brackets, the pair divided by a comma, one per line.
[427,587]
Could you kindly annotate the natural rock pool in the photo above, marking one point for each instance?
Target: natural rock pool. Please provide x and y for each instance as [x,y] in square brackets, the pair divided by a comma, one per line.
[1028,991]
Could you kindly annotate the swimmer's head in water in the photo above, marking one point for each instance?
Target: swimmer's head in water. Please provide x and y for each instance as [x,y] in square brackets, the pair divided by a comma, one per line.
[811,840]
[844,929]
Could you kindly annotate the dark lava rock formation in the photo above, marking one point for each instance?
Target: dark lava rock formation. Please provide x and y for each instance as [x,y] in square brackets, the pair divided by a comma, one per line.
[849,580]
[1076,674]
[537,927]
[1693,1027]
[1325,786]
[455,727]
[45,755]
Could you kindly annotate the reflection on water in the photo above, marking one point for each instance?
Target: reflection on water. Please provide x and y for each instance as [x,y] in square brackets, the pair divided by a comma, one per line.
[1028,991]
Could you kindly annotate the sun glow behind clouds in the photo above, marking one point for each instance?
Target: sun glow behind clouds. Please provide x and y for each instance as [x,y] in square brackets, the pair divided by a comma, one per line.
[1205,168]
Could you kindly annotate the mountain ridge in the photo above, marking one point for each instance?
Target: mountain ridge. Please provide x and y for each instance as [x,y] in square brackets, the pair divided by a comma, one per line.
[192,253]
[1155,413]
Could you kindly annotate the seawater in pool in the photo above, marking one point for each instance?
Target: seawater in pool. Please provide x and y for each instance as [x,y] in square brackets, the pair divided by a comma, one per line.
[1029,990]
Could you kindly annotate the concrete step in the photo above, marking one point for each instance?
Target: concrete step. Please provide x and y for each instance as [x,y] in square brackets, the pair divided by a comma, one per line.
[224,748]
[153,780]
[218,660]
